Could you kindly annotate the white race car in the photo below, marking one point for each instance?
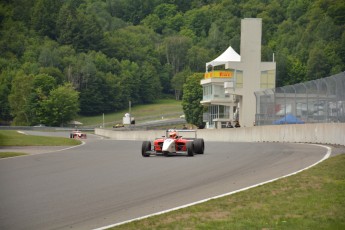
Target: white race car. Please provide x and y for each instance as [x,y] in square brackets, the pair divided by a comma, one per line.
[174,144]
[77,135]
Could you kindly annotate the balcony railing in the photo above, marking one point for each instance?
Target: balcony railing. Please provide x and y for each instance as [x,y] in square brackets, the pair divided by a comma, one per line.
[226,97]
[209,117]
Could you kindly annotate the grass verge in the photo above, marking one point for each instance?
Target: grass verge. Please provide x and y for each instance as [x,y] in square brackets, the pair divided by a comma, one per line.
[13,138]
[313,199]
[10,154]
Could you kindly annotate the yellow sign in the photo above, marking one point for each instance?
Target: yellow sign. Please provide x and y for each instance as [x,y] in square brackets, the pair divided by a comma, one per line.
[218,74]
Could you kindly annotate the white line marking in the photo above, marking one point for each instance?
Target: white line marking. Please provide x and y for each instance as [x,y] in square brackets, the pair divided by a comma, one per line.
[21,132]
[59,150]
[329,150]
[35,154]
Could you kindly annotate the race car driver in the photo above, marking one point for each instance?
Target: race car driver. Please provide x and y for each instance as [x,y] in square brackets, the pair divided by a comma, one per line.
[173,134]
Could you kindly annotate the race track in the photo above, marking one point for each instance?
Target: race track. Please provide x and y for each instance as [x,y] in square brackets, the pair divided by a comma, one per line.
[107,181]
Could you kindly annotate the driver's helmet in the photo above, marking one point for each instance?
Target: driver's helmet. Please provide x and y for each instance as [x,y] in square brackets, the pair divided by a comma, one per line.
[172,134]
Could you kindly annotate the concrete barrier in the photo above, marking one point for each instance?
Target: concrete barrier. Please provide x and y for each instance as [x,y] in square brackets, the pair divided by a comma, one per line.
[323,133]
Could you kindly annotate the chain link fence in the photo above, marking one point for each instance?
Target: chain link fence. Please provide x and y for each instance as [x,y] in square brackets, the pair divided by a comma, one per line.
[317,101]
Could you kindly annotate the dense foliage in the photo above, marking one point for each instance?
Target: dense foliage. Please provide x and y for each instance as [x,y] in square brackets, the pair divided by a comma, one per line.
[192,96]
[113,51]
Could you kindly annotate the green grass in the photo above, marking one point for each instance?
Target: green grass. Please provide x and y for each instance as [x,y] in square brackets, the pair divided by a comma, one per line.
[168,108]
[11,154]
[313,199]
[13,138]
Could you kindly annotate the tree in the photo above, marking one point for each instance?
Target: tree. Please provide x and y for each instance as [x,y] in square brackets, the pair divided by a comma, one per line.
[177,82]
[102,11]
[215,37]
[112,93]
[176,48]
[297,8]
[66,24]
[154,22]
[199,20]
[12,39]
[49,54]
[130,82]
[62,105]
[164,16]
[91,100]
[89,35]
[42,85]
[22,86]
[150,86]
[165,74]
[297,71]
[131,10]
[45,13]
[55,73]
[81,70]
[317,65]
[21,10]
[134,43]
[197,57]
[192,95]
[5,89]
[104,63]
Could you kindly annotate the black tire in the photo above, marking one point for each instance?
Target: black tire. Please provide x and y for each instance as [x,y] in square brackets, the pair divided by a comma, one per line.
[146,146]
[190,148]
[199,146]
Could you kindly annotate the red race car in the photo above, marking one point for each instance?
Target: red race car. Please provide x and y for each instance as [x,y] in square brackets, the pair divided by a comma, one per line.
[174,144]
[77,135]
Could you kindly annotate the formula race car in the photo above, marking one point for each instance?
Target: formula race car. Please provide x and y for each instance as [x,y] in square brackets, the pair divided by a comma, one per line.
[173,144]
[118,126]
[77,135]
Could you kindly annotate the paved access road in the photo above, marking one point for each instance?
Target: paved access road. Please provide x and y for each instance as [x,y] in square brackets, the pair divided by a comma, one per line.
[107,181]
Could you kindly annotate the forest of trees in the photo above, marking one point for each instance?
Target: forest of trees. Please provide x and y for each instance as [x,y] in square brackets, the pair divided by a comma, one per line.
[59,58]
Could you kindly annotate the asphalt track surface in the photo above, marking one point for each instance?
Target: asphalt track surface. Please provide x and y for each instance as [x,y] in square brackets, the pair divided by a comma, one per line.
[108,181]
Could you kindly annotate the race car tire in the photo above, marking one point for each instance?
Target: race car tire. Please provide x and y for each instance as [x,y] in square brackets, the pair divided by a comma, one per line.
[199,146]
[146,146]
[190,148]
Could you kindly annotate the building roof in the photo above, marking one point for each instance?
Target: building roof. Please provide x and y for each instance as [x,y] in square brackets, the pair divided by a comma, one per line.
[228,55]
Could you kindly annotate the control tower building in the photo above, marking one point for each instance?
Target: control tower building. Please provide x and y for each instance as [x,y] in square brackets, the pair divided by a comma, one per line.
[231,80]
